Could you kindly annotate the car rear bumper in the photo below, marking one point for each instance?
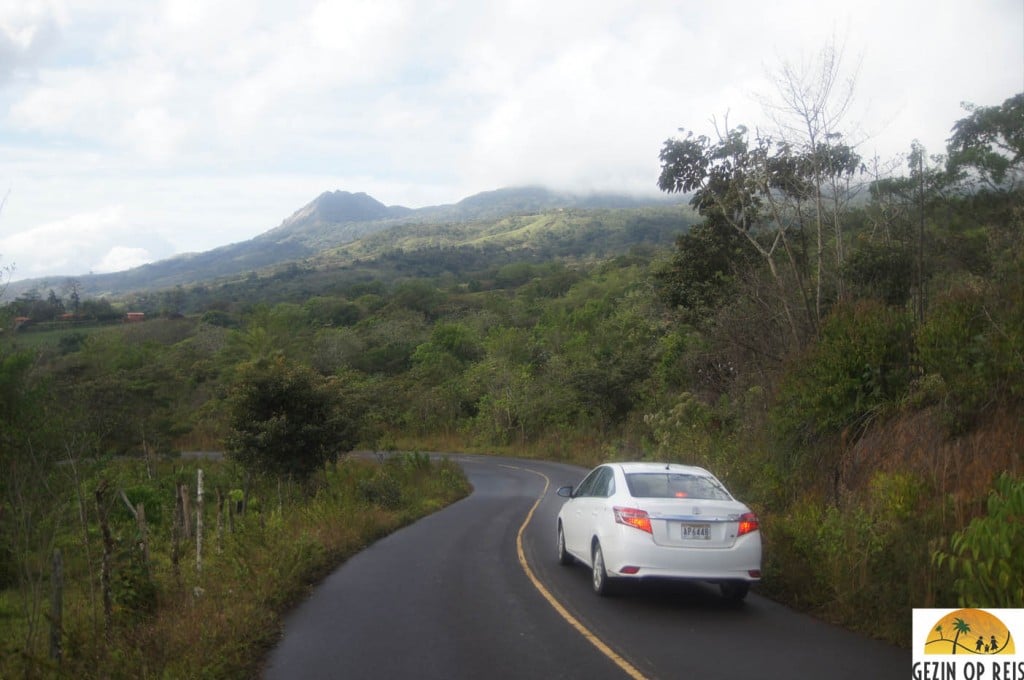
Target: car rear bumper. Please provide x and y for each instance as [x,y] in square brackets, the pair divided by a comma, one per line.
[634,555]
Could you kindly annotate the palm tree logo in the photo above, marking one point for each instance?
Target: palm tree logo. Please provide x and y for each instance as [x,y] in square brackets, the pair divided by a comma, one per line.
[975,631]
[960,626]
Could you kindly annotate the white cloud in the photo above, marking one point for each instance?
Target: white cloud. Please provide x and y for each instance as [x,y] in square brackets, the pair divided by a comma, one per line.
[209,122]
[28,28]
[120,258]
[80,243]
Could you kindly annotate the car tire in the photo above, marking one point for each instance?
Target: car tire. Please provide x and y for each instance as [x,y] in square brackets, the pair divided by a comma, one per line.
[564,558]
[734,591]
[599,579]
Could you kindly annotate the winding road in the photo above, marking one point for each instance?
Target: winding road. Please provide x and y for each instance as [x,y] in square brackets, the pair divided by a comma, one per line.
[474,591]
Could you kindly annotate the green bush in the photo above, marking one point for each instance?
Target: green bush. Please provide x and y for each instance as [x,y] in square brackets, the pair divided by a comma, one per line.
[986,557]
[974,345]
[881,272]
[859,562]
[287,420]
[861,363]
[8,569]
[382,489]
[152,499]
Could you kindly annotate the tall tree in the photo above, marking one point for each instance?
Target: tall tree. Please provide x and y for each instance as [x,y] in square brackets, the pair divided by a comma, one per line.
[812,99]
[989,143]
[736,182]
[73,291]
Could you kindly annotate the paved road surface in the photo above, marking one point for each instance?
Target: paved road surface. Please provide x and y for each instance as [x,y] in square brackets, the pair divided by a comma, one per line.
[448,598]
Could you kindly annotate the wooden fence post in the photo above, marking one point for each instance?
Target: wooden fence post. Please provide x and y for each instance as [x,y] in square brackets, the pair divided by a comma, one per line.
[57,606]
[186,511]
[220,521]
[176,536]
[108,551]
[199,521]
[140,518]
[139,513]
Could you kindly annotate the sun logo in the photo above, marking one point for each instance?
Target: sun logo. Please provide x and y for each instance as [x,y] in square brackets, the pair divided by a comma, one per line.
[969,631]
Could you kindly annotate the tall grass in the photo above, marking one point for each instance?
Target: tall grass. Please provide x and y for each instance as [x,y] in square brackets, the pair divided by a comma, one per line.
[217,622]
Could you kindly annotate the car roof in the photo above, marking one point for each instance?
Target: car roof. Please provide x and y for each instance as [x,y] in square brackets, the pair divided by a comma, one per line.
[650,467]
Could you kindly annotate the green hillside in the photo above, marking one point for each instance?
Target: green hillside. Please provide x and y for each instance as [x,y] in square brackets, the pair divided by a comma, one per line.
[851,368]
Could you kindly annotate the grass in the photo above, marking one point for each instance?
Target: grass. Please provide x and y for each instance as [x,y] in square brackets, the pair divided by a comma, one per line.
[220,621]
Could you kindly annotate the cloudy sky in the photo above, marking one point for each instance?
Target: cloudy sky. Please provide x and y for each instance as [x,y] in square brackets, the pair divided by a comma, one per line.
[133,130]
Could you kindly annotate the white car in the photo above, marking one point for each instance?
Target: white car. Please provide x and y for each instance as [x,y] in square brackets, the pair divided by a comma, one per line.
[658,520]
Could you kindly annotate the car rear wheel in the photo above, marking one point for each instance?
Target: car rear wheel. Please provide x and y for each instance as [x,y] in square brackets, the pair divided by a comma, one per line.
[734,591]
[564,557]
[599,575]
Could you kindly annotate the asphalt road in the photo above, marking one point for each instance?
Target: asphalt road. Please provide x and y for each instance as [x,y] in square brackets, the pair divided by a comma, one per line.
[448,598]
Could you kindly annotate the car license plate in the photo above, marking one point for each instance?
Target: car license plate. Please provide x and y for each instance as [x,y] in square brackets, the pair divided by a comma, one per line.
[696,532]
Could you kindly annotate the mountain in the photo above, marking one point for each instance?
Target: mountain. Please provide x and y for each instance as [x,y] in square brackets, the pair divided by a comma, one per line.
[331,220]
[336,217]
[523,200]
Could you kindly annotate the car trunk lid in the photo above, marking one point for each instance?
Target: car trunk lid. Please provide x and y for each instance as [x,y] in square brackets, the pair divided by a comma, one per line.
[702,524]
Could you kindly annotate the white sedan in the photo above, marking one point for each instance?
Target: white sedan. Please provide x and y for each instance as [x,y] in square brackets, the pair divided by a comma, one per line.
[658,520]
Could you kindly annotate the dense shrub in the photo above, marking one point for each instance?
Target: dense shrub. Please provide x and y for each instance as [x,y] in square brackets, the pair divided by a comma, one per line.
[861,363]
[881,272]
[827,558]
[286,419]
[986,557]
[973,344]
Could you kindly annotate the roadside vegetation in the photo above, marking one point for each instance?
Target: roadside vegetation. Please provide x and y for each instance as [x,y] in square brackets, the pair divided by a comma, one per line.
[842,345]
[155,582]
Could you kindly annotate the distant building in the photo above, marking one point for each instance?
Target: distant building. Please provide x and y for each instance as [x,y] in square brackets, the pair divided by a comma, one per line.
[21,321]
[132,317]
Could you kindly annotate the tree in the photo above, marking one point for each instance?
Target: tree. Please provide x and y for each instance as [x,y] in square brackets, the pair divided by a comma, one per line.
[30,520]
[990,143]
[860,364]
[899,209]
[736,183]
[55,304]
[73,290]
[813,99]
[285,419]
[702,271]
[882,272]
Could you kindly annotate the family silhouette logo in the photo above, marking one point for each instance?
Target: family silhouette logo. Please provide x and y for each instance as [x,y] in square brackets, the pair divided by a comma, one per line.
[969,631]
[974,644]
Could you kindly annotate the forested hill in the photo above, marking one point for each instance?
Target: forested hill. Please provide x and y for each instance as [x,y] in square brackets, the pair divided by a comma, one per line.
[851,369]
[339,218]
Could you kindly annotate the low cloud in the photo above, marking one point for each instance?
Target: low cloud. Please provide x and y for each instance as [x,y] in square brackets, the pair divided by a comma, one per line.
[120,258]
[102,241]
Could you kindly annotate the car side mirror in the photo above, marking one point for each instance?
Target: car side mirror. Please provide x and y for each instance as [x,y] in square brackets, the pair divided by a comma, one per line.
[565,491]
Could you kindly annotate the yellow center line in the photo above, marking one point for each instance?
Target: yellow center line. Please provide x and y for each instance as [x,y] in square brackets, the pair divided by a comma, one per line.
[629,669]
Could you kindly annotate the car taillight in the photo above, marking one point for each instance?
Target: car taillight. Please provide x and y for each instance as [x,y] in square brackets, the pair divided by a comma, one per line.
[634,517]
[748,523]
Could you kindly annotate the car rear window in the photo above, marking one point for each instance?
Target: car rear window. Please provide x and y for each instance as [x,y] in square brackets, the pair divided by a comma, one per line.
[675,485]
